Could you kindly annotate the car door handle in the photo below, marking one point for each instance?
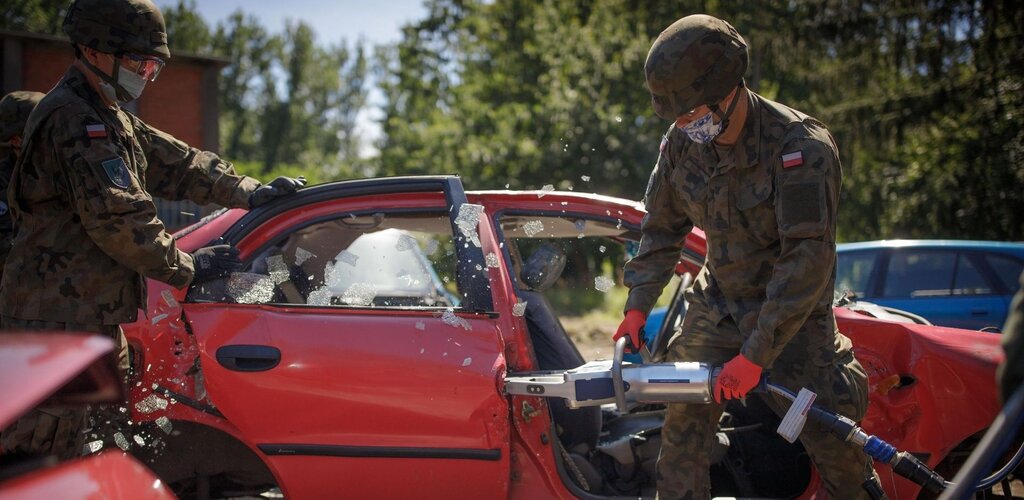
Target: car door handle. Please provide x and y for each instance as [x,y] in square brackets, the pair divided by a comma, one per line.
[248,358]
[979,312]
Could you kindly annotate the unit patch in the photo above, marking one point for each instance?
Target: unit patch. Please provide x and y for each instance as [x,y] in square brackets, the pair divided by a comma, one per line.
[117,172]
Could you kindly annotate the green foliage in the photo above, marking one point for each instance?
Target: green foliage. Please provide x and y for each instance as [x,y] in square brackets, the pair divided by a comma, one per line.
[924,99]
[287,100]
[186,29]
[38,16]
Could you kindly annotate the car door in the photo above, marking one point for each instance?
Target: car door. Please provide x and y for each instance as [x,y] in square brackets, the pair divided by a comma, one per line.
[946,286]
[357,349]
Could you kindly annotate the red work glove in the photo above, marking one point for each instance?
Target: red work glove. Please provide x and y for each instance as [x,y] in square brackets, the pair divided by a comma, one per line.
[736,379]
[631,325]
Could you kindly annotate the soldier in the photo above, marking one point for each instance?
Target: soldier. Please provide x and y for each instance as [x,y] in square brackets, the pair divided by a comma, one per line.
[14,110]
[1011,370]
[87,233]
[762,180]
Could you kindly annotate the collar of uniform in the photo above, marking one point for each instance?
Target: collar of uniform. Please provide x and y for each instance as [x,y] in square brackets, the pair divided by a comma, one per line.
[110,115]
[748,147]
[75,80]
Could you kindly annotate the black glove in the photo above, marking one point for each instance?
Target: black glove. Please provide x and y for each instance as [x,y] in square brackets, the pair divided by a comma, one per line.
[276,188]
[215,261]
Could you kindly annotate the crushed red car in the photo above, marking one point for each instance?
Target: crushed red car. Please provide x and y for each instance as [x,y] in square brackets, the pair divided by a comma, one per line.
[65,369]
[363,348]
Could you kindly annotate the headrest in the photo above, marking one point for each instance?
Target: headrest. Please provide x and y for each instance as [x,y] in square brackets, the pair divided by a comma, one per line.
[544,267]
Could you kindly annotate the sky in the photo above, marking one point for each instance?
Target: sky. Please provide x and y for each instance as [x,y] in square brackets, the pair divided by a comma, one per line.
[333,21]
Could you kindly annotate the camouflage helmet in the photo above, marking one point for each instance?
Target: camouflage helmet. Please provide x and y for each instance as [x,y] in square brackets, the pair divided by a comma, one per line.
[698,60]
[14,110]
[116,26]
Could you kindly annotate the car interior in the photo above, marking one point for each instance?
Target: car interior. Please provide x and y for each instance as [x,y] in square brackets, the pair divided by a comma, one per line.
[602,450]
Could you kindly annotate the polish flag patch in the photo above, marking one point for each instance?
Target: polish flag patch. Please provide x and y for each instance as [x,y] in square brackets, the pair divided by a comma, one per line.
[95,131]
[794,159]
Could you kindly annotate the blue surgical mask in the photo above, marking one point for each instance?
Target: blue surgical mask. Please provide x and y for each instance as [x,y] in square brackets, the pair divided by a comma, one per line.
[704,129]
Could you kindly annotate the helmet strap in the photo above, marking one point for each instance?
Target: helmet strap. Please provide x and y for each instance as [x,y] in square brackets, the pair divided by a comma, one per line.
[112,80]
[724,118]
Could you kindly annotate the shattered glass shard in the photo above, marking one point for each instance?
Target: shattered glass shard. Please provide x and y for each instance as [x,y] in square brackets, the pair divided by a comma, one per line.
[467,361]
[431,247]
[348,258]
[150,404]
[278,269]
[467,221]
[164,424]
[405,242]
[492,260]
[121,441]
[138,440]
[421,325]
[169,299]
[319,297]
[603,283]
[302,255]
[533,227]
[250,288]
[359,294]
[450,318]
[93,446]
[519,308]
[545,190]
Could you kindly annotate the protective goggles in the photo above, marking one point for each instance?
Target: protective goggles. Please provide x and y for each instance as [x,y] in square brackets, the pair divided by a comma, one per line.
[148,67]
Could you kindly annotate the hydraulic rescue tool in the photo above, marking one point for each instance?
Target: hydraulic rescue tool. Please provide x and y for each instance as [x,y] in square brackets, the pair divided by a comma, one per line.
[625,384]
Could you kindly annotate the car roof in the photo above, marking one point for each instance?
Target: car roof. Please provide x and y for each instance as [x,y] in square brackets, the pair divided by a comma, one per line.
[1016,248]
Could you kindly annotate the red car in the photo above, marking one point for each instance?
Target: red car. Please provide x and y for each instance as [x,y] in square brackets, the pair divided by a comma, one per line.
[65,369]
[362,351]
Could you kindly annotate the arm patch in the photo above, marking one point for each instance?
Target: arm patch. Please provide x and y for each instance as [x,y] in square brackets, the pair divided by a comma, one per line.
[802,207]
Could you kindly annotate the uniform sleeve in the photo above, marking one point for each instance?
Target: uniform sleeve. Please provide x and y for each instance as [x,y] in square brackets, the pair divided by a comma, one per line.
[1011,371]
[177,171]
[115,209]
[664,231]
[806,199]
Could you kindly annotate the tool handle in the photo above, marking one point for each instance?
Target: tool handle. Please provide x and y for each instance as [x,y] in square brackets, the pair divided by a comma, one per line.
[910,467]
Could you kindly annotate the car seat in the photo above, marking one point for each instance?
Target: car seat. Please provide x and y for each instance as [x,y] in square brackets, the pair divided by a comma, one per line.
[578,429]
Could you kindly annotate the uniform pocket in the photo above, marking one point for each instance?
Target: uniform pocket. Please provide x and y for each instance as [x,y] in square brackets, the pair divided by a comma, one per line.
[719,205]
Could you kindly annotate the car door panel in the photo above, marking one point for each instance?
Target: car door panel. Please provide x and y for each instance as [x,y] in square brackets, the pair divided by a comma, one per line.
[361,395]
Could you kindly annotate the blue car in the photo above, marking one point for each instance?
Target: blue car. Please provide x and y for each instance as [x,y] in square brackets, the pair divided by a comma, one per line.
[961,284]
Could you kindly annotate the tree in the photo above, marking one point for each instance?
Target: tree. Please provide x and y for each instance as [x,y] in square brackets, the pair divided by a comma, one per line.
[38,16]
[923,97]
[186,29]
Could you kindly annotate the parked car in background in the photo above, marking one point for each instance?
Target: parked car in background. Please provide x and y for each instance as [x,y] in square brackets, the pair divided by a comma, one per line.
[962,284]
[361,352]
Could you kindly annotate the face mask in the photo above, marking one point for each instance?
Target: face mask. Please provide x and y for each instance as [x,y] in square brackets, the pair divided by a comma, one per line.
[130,83]
[703,130]
[128,86]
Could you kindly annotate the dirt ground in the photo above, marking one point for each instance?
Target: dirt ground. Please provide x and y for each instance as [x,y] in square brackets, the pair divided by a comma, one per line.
[592,335]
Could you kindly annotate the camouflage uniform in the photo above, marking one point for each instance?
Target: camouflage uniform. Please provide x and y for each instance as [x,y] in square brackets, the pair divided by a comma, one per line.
[766,286]
[1011,370]
[88,234]
[14,110]
[6,223]
[87,224]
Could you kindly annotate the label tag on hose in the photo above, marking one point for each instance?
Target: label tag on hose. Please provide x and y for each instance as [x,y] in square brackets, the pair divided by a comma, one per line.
[793,423]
